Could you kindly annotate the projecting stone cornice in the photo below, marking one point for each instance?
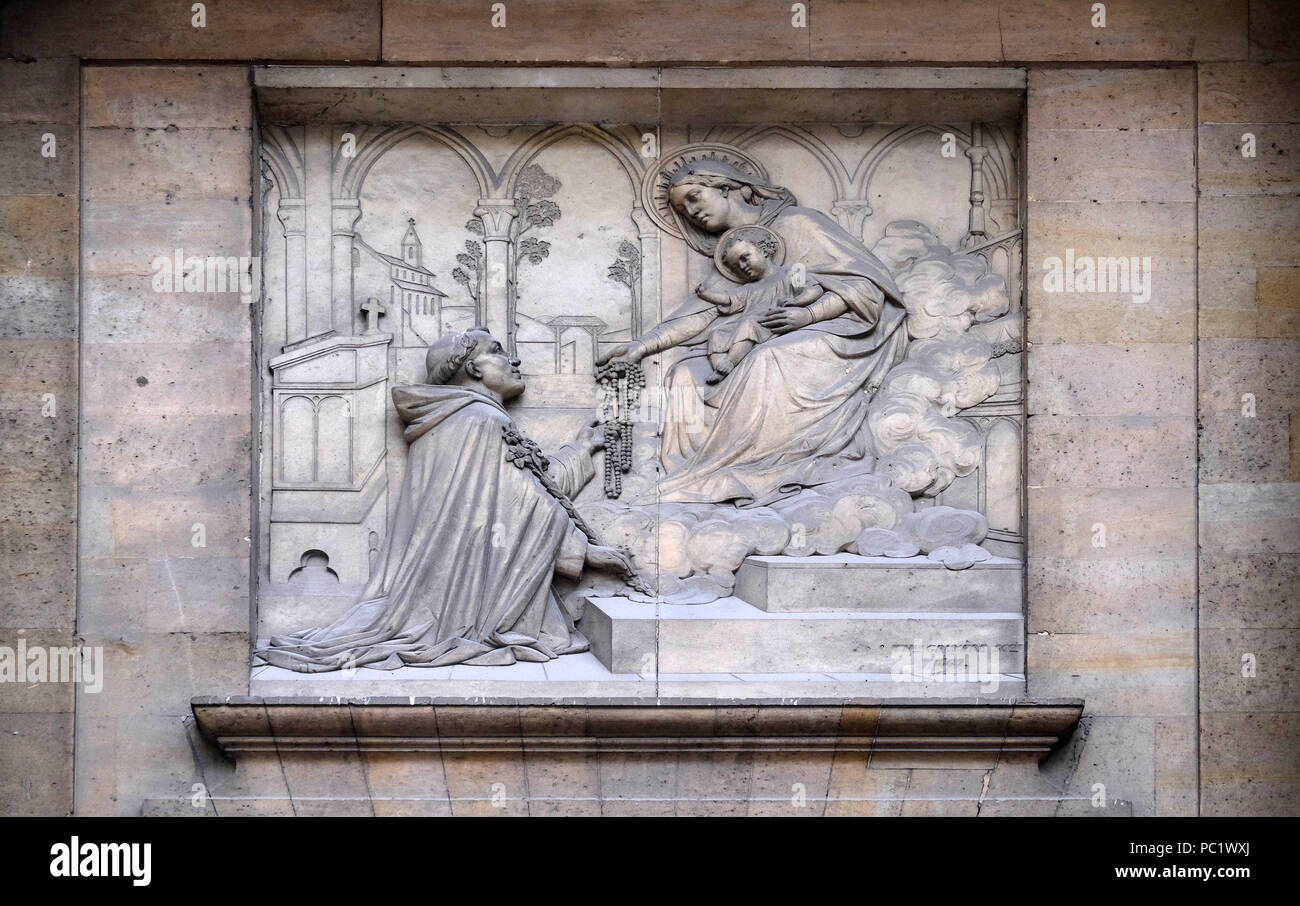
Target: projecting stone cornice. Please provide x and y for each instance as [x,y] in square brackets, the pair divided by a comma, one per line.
[241,725]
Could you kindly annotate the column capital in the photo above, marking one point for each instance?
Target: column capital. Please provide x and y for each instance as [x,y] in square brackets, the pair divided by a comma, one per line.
[497,214]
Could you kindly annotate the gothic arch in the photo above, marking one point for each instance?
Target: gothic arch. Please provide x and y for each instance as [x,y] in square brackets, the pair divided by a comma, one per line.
[355,172]
[834,167]
[536,144]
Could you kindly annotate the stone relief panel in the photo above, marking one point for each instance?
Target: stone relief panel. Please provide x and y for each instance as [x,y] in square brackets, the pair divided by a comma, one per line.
[792,350]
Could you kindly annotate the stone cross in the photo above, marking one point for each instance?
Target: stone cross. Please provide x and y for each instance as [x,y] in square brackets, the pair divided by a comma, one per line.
[373,310]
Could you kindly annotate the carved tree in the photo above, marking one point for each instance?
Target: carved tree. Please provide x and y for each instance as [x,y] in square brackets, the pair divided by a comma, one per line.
[470,272]
[626,269]
[533,192]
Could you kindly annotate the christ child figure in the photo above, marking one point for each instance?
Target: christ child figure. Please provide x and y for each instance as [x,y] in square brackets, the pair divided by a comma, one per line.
[752,257]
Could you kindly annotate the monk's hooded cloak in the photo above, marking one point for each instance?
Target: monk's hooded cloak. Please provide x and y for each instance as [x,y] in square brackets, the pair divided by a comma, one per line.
[466,573]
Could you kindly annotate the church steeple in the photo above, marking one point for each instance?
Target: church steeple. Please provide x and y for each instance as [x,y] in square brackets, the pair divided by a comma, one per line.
[411,245]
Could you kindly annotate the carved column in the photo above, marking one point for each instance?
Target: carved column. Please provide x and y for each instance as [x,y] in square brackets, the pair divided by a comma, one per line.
[648,235]
[497,214]
[344,215]
[976,231]
[292,214]
[852,213]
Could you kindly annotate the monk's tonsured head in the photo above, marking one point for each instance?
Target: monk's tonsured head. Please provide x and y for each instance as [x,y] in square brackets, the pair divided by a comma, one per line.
[474,358]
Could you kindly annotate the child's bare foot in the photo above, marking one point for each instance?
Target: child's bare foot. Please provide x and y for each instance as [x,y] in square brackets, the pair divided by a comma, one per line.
[714,378]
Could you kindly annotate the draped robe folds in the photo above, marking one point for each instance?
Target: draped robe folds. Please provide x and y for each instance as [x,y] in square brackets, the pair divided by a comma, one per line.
[465,574]
[793,412]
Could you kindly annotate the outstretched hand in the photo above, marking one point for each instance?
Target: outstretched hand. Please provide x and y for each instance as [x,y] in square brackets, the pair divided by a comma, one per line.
[784,320]
[611,558]
[614,352]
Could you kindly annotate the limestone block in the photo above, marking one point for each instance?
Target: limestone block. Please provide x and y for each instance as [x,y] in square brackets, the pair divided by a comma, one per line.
[1270,658]
[39,564]
[1248,93]
[109,757]
[729,636]
[149,453]
[38,306]
[46,665]
[1245,230]
[158,97]
[789,784]
[1095,595]
[166,165]
[159,30]
[1250,590]
[1118,524]
[1091,165]
[1265,368]
[124,237]
[156,379]
[1274,30]
[1176,766]
[1119,754]
[636,783]
[1112,451]
[1238,448]
[1112,98]
[116,522]
[1274,168]
[28,170]
[847,582]
[1138,379]
[486,783]
[36,764]
[626,31]
[40,91]
[1136,673]
[1135,30]
[943,792]
[1248,764]
[1261,517]
[1279,301]
[125,309]
[38,236]
[1111,311]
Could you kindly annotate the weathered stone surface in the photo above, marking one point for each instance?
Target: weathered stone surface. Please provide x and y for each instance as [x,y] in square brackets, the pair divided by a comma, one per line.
[1135,30]
[1264,368]
[36,764]
[155,29]
[1250,590]
[167,97]
[38,236]
[1147,379]
[1274,30]
[1110,99]
[1273,169]
[1248,764]
[1234,447]
[1112,451]
[1138,673]
[1098,165]
[634,30]
[1249,670]
[1083,595]
[1258,518]
[40,91]
[1120,524]
[164,165]
[28,170]
[1248,93]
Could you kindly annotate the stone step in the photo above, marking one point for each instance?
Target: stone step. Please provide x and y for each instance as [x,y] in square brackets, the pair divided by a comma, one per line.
[732,636]
[848,582]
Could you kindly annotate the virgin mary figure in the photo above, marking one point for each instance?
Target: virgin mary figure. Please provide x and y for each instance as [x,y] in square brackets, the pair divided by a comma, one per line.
[793,412]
